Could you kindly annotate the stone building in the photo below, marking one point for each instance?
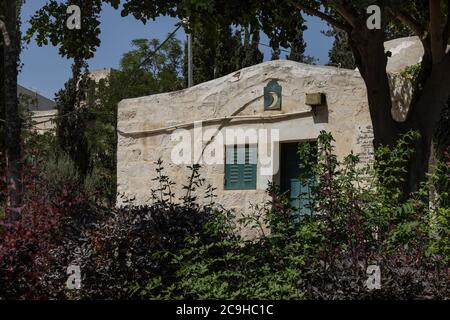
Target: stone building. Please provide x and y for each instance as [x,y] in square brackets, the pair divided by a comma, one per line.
[281,103]
[100,74]
[44,110]
[37,102]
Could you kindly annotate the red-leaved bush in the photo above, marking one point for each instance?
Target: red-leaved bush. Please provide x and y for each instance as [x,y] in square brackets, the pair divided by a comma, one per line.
[27,243]
[62,226]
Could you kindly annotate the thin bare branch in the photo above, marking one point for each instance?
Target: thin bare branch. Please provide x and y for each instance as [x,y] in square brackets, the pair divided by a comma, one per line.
[321,15]
[348,14]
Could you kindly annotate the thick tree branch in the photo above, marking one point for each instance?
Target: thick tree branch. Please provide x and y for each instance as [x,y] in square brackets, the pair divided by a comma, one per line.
[321,15]
[446,33]
[347,14]
[436,31]
[5,34]
[412,24]
[423,35]
[433,98]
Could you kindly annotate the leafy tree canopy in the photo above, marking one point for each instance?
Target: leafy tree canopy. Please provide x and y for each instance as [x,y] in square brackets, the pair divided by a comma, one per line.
[280,22]
[427,19]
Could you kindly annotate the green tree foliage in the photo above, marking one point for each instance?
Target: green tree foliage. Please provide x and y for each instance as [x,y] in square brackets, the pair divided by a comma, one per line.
[72,120]
[358,221]
[275,54]
[205,17]
[442,134]
[216,54]
[157,71]
[87,113]
[49,26]
[423,18]
[250,53]
[341,54]
[298,45]
[181,250]
[142,72]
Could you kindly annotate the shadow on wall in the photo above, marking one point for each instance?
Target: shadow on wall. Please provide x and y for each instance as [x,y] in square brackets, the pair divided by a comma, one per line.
[320,112]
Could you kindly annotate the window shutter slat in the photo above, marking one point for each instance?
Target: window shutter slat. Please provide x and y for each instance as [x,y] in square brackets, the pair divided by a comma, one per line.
[240,168]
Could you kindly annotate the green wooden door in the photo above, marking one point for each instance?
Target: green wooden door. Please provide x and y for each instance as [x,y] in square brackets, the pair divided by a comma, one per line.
[289,180]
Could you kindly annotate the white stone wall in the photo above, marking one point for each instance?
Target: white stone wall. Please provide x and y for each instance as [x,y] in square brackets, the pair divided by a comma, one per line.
[100,74]
[44,120]
[347,118]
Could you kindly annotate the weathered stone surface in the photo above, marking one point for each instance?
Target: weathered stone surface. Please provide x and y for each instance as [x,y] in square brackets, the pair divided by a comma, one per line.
[346,116]
[45,120]
[100,74]
[237,94]
[405,52]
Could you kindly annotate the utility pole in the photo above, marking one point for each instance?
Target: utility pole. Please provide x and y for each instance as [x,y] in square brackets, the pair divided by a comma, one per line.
[190,61]
[185,23]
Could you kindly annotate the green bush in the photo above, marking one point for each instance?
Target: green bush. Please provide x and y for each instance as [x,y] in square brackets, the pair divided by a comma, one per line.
[59,169]
[360,220]
[178,250]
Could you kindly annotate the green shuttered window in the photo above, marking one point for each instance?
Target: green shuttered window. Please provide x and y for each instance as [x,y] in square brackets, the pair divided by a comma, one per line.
[240,167]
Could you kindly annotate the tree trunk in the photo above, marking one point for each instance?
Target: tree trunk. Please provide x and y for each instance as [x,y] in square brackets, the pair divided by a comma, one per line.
[371,59]
[2,106]
[425,110]
[13,124]
[2,126]
[424,116]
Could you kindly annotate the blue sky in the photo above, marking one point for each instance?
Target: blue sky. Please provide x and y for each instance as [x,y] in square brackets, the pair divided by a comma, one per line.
[45,71]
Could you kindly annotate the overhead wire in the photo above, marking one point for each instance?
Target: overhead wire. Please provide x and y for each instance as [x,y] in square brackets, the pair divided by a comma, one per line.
[142,63]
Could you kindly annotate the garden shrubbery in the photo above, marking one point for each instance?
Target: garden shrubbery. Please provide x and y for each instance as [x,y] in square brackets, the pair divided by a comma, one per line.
[60,226]
[359,220]
[175,249]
